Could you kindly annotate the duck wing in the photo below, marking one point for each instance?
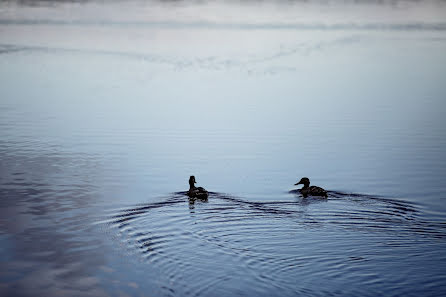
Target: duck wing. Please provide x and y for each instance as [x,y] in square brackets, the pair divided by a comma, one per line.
[317,191]
[200,189]
[199,193]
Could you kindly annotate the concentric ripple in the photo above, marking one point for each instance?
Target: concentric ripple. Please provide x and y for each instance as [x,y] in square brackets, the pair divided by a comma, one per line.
[227,245]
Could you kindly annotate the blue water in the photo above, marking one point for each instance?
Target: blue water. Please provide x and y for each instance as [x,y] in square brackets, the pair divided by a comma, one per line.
[106,109]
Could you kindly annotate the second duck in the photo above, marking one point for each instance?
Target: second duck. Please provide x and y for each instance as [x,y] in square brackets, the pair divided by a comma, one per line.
[310,191]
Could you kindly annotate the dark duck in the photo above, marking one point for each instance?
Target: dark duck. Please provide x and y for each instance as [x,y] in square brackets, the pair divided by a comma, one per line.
[196,192]
[310,191]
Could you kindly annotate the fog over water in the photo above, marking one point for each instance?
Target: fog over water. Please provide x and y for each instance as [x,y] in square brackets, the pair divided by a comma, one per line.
[107,108]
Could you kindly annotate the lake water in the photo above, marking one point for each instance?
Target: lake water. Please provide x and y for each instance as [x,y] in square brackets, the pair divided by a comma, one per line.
[107,108]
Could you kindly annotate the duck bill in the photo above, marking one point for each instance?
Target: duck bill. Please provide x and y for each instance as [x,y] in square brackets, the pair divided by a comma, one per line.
[297,183]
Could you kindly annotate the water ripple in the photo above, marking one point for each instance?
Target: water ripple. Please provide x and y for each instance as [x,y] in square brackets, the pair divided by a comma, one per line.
[267,244]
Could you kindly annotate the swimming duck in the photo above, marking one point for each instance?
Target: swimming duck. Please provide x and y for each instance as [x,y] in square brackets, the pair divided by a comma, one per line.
[195,192]
[310,191]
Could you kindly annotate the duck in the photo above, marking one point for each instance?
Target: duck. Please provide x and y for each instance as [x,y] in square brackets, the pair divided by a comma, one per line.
[196,192]
[310,191]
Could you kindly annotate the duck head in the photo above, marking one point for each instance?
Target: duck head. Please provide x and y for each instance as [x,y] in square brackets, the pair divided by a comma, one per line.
[192,181]
[304,181]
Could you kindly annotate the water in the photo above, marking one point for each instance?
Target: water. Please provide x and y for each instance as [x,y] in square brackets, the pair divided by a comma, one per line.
[108,108]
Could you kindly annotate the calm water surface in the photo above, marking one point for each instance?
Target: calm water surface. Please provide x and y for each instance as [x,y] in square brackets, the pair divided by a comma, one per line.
[107,108]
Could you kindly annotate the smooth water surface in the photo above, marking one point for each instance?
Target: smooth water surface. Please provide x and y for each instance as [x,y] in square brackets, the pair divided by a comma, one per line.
[107,108]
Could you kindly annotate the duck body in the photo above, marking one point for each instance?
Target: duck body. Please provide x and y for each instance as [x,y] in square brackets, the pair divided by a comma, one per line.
[313,191]
[196,192]
[308,190]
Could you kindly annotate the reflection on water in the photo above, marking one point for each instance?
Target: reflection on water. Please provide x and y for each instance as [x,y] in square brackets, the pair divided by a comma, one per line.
[44,214]
[105,108]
